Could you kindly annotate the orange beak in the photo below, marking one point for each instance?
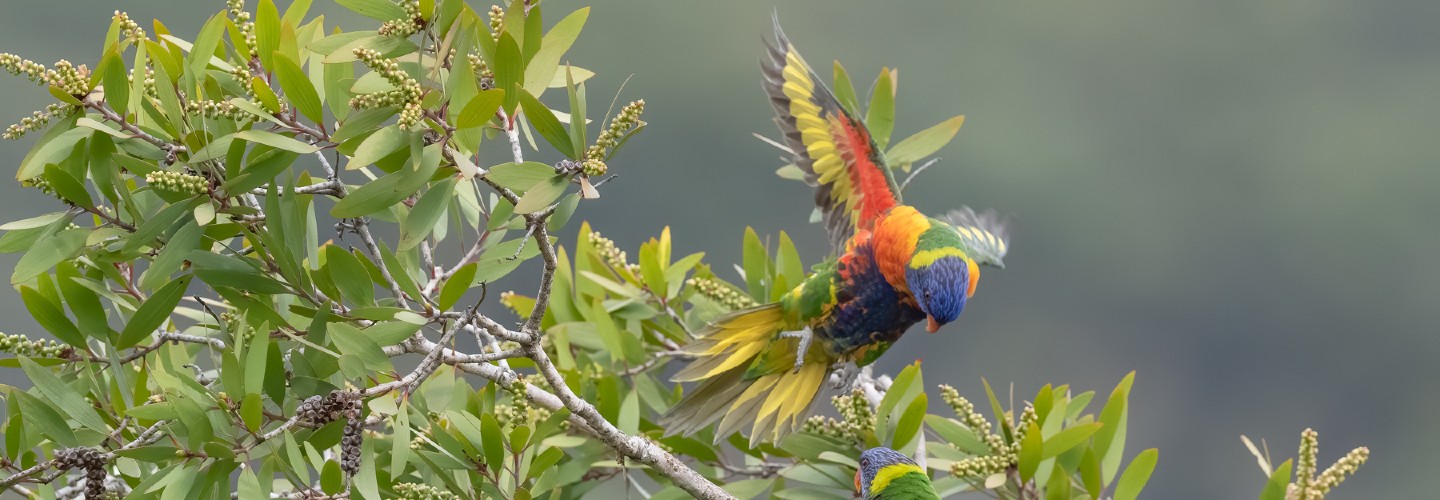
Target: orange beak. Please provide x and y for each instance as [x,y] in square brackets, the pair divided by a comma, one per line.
[857,481]
[931,325]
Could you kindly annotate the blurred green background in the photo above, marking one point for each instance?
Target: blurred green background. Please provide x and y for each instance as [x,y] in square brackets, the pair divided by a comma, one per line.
[1234,198]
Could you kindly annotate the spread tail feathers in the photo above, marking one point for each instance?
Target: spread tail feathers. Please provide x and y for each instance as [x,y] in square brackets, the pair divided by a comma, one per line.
[748,377]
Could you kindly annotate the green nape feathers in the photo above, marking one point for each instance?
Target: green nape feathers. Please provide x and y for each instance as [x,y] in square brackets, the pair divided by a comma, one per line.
[886,474]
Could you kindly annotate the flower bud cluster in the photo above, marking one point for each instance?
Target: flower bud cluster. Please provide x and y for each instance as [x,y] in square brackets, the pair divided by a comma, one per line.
[1027,417]
[416,491]
[720,292]
[36,120]
[1343,468]
[21,345]
[69,78]
[497,21]
[244,24]
[612,255]
[983,466]
[964,409]
[216,110]
[129,27]
[148,83]
[177,182]
[17,65]
[628,120]
[857,418]
[89,459]
[40,183]
[412,23]
[482,71]
[593,167]
[1305,461]
[408,93]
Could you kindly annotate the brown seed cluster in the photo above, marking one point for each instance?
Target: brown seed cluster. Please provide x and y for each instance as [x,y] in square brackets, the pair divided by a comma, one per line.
[89,459]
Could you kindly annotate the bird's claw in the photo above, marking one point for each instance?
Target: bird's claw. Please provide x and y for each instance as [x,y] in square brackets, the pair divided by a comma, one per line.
[804,336]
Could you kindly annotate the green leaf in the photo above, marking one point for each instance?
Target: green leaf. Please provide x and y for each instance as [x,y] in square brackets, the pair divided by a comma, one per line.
[276,141]
[60,394]
[40,414]
[1110,440]
[47,252]
[520,177]
[542,68]
[352,342]
[541,195]
[1279,480]
[400,449]
[924,143]
[153,312]
[1090,473]
[380,10]
[492,440]
[51,317]
[880,118]
[379,145]
[257,359]
[957,434]
[51,149]
[845,91]
[577,111]
[267,32]
[252,412]
[67,187]
[1069,438]
[385,192]
[114,79]
[547,125]
[456,286]
[298,88]
[426,213]
[509,70]
[157,224]
[481,108]
[331,479]
[349,276]
[1136,475]
[755,264]
[338,77]
[1031,449]
[908,426]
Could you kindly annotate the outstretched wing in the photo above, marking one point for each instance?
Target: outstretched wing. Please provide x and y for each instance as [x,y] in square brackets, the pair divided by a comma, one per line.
[986,235]
[853,187]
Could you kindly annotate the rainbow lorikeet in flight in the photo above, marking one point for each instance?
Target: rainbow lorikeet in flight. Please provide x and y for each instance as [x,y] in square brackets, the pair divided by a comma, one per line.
[885,474]
[894,267]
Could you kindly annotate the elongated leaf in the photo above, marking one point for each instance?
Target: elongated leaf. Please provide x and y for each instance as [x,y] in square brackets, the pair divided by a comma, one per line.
[153,313]
[1136,475]
[51,317]
[63,396]
[1069,438]
[1279,480]
[47,252]
[1110,439]
[880,117]
[541,195]
[68,187]
[349,276]
[45,417]
[845,91]
[298,88]
[381,10]
[1030,451]
[547,125]
[544,65]
[908,426]
[385,192]
[520,177]
[481,109]
[426,213]
[924,143]
[379,145]
[509,70]
[456,286]
[276,141]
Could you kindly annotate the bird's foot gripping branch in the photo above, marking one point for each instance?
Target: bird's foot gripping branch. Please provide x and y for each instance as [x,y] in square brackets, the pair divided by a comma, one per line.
[272,268]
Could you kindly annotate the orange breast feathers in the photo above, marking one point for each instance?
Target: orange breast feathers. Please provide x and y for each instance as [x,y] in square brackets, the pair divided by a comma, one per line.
[894,239]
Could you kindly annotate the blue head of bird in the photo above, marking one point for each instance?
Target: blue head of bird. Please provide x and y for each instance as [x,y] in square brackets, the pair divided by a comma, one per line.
[872,461]
[940,275]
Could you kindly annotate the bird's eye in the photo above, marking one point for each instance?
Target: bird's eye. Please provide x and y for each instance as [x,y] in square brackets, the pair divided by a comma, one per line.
[927,295]
[864,463]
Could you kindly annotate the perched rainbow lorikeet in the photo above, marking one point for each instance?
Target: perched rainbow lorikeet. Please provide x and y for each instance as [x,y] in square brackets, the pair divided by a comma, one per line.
[885,474]
[762,367]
